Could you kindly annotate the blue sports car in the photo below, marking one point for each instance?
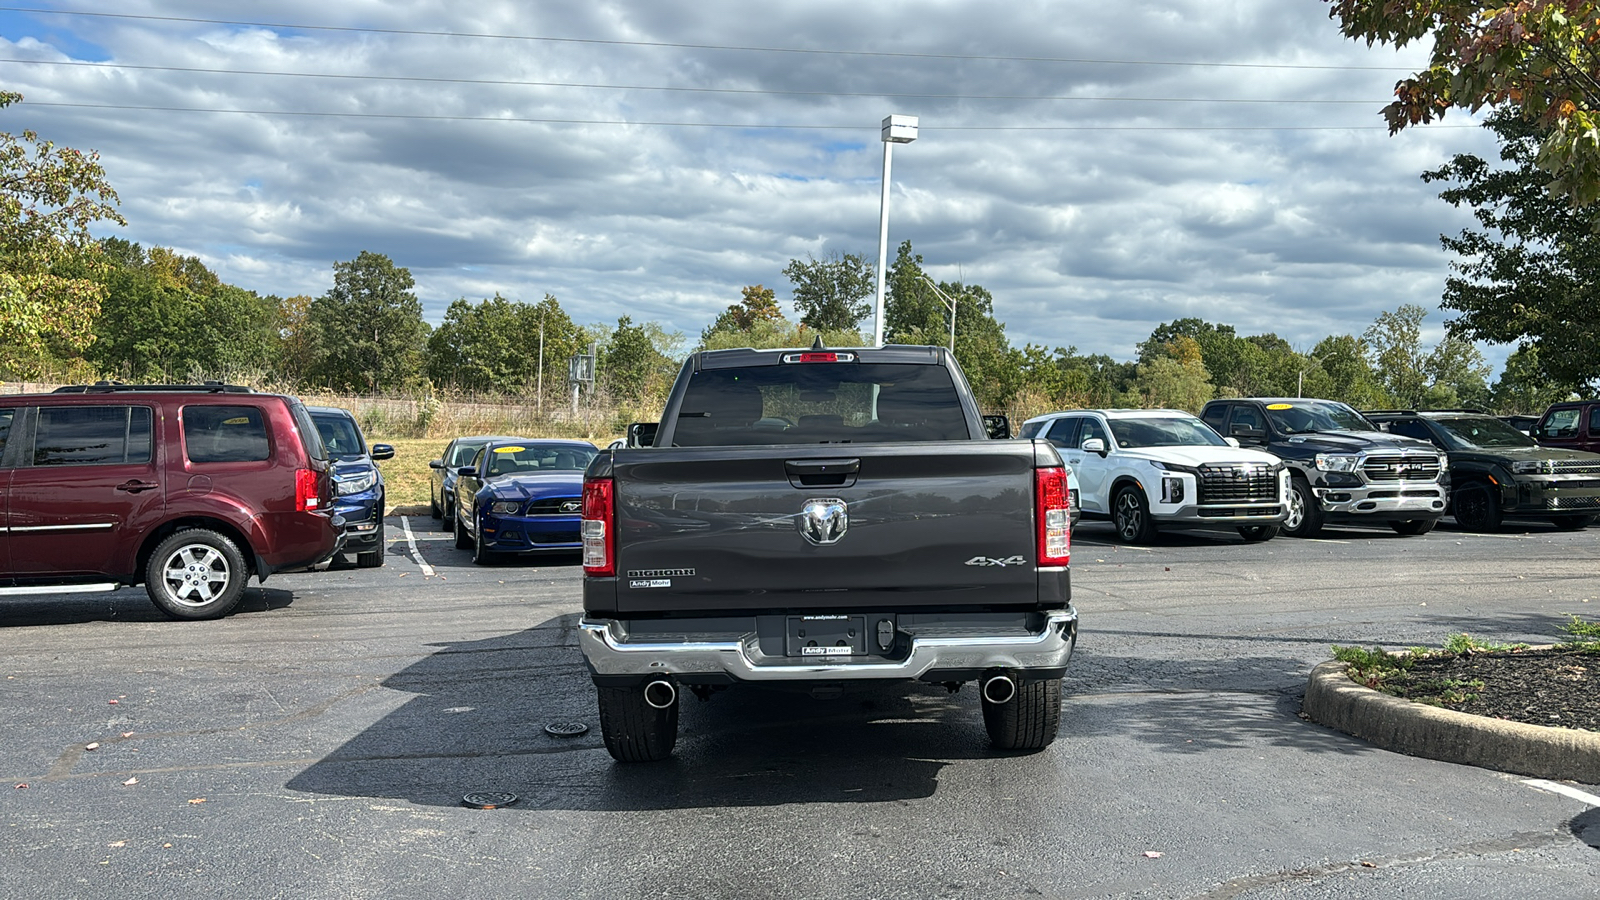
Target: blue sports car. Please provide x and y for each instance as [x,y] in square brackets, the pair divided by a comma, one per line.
[522,496]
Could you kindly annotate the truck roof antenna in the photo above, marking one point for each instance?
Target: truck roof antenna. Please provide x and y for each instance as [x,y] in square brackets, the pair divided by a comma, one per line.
[817,344]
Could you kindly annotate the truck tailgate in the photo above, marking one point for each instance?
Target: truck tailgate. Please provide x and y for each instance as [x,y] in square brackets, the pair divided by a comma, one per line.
[826,526]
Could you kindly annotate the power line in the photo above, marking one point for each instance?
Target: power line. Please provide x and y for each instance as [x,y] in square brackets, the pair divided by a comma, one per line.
[495,82]
[742,125]
[687,46]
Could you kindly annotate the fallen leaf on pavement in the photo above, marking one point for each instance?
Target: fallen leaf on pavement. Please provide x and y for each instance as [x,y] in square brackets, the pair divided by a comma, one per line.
[198,800]
[92,746]
[134,780]
[117,844]
[22,785]
[112,702]
[127,734]
[1153,854]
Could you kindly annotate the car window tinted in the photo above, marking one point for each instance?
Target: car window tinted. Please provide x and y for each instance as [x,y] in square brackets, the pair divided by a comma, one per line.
[225,434]
[820,403]
[1062,432]
[6,418]
[1165,432]
[463,453]
[339,434]
[1482,431]
[1594,421]
[1093,429]
[1215,414]
[1029,429]
[309,438]
[1411,428]
[92,435]
[1558,424]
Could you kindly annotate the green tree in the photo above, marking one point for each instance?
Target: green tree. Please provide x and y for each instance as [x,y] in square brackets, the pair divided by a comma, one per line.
[831,294]
[913,313]
[630,360]
[1174,383]
[1527,274]
[1338,368]
[758,304]
[1537,58]
[369,330]
[51,268]
[1524,386]
[1221,349]
[1394,342]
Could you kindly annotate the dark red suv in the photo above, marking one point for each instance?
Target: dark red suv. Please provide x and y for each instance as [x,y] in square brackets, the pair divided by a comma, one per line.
[188,489]
[1573,424]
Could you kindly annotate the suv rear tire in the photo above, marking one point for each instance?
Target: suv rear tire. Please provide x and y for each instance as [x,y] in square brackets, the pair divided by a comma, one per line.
[1255,534]
[196,573]
[1476,508]
[1029,720]
[372,559]
[634,730]
[1413,526]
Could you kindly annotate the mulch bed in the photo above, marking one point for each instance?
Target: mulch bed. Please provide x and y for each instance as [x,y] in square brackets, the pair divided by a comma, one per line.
[1539,687]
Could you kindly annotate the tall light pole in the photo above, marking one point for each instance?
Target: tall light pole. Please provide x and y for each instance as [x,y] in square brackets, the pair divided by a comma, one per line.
[947,302]
[896,130]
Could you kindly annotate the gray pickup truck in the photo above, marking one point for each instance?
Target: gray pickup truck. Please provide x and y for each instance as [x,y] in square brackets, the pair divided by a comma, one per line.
[816,519]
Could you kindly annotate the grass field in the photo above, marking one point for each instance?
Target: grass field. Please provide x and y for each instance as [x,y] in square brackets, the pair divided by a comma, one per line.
[405,477]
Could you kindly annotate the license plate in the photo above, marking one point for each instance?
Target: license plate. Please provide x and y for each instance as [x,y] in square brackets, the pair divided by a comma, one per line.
[827,637]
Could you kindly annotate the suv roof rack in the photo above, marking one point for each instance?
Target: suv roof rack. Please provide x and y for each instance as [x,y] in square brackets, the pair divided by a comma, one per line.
[111,387]
[1412,412]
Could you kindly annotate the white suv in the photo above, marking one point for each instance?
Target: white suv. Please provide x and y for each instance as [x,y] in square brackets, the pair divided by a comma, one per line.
[1150,468]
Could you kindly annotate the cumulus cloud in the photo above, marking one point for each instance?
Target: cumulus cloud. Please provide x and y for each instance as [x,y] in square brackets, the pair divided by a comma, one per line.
[1100,168]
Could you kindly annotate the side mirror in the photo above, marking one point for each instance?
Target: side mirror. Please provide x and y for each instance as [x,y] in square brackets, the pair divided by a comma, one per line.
[1095,445]
[1232,441]
[382,451]
[467,472]
[642,434]
[998,427]
[436,464]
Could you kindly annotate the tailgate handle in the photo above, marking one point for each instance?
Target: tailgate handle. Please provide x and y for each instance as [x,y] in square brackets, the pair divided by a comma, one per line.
[806,473]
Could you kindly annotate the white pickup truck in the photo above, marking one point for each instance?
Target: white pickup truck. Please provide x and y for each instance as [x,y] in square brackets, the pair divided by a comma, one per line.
[1146,469]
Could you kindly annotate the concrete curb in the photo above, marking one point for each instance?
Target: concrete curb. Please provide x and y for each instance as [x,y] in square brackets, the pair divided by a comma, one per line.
[1416,729]
[416,509]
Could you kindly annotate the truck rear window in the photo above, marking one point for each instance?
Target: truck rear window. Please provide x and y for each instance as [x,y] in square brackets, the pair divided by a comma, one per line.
[820,403]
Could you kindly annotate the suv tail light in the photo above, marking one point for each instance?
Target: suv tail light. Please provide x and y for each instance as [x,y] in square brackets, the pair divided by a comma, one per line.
[599,521]
[306,496]
[1051,511]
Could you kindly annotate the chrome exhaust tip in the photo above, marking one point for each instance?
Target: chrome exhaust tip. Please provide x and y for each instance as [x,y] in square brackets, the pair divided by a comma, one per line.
[999,689]
[660,694]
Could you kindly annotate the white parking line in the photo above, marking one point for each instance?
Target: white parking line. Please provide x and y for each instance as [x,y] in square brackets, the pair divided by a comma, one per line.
[1564,790]
[427,570]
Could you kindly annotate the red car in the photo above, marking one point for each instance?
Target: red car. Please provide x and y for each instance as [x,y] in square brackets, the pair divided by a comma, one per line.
[1573,424]
[189,490]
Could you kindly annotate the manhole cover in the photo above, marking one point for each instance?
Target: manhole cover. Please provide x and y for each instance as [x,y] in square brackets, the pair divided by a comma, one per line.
[488,799]
[565,729]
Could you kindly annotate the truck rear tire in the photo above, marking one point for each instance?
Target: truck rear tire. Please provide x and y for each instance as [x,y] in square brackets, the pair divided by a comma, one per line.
[1029,720]
[634,730]
[1255,534]
[1413,526]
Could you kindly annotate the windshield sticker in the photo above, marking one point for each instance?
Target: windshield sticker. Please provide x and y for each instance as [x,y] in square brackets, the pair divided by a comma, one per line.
[1280,406]
[509,449]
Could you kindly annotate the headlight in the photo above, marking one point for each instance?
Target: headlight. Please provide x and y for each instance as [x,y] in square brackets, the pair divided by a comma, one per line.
[505,507]
[355,484]
[1333,462]
[1533,467]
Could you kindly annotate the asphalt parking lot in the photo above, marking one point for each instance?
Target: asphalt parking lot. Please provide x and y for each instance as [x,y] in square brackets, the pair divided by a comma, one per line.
[318,743]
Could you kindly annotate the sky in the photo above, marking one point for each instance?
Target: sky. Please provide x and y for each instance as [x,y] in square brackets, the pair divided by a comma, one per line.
[1100,168]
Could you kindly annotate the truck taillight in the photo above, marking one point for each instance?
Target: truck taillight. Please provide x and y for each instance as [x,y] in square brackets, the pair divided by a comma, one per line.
[1052,511]
[306,497]
[599,521]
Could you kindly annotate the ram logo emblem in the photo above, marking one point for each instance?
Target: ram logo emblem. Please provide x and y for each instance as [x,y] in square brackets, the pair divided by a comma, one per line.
[823,520]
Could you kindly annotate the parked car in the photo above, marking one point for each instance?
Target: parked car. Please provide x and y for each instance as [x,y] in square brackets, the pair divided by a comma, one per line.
[1497,472]
[444,470]
[1574,425]
[1146,469]
[1342,469]
[1524,424]
[1030,431]
[522,496]
[358,485]
[188,489]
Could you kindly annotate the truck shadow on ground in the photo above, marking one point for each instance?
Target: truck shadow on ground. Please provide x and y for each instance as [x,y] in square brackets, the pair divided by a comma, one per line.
[475,715]
[129,604]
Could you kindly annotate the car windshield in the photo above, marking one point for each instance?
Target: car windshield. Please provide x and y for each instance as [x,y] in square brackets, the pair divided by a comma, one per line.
[1306,416]
[1165,431]
[463,453]
[1482,432]
[340,435]
[533,459]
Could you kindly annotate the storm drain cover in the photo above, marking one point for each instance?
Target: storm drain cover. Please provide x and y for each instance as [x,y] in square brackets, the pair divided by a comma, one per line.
[488,799]
[565,729]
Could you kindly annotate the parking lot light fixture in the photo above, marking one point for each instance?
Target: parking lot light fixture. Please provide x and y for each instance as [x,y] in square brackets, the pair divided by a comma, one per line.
[896,130]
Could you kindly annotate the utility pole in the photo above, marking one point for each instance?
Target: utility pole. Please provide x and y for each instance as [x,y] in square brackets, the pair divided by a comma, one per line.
[896,130]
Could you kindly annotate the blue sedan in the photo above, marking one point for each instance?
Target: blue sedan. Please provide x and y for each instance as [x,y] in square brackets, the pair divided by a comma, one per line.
[522,496]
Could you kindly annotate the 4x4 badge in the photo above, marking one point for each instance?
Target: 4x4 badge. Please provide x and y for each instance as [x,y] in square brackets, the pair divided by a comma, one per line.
[823,520]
